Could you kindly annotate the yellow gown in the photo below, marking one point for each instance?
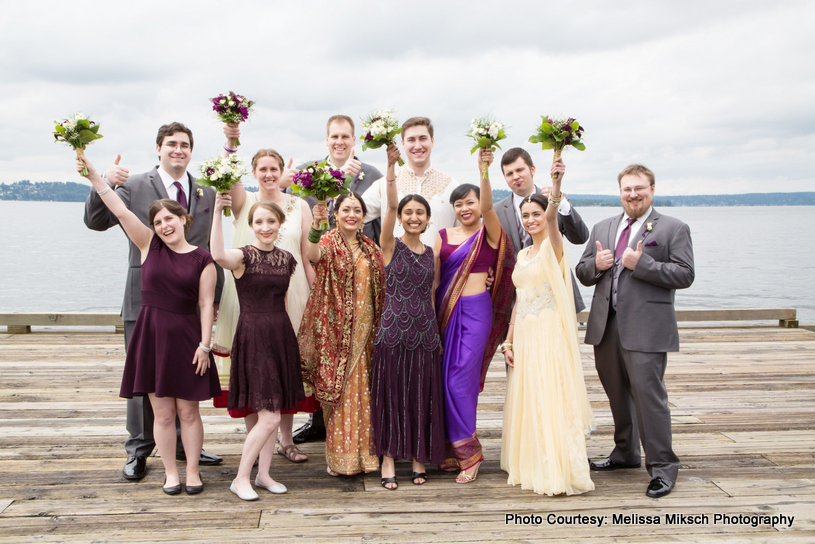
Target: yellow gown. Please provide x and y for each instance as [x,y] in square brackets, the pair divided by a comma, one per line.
[547,415]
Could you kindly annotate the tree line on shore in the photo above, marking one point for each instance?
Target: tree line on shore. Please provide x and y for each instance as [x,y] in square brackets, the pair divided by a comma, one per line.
[69,191]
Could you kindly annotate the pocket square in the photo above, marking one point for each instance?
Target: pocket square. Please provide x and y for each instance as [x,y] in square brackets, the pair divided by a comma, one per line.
[205,211]
[651,243]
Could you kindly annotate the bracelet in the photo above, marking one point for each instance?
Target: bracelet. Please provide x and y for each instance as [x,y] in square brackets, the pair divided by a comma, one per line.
[314,235]
[203,347]
[555,201]
[390,181]
[103,191]
[230,150]
[506,346]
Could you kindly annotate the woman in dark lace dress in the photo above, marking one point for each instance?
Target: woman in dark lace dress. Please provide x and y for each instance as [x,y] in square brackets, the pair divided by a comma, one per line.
[265,374]
[407,390]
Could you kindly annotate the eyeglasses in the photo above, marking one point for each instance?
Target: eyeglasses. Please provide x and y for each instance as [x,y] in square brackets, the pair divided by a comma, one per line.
[632,190]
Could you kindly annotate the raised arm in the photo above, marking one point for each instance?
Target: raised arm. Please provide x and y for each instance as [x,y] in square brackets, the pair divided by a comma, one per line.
[313,252]
[373,200]
[552,229]
[488,213]
[232,132]
[386,240]
[230,259]
[305,225]
[134,228]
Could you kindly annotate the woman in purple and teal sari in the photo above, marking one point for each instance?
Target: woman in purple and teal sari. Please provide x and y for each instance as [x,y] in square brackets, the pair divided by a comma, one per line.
[473,317]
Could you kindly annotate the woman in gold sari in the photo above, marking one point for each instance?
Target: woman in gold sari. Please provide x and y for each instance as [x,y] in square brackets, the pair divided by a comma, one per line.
[336,337]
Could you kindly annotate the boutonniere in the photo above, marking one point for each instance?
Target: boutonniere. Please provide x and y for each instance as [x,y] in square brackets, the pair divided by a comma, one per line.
[649,226]
[361,175]
[198,193]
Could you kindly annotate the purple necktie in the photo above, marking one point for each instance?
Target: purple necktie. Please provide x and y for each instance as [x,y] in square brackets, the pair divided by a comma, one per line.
[181,198]
[624,236]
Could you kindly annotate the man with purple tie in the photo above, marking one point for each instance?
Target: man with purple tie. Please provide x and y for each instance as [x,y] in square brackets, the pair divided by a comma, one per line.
[632,323]
[169,179]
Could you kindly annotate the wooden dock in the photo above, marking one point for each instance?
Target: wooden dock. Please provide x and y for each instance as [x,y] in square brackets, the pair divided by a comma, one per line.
[743,406]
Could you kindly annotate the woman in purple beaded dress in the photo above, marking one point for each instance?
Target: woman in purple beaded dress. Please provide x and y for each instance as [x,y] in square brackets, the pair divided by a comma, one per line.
[406,389]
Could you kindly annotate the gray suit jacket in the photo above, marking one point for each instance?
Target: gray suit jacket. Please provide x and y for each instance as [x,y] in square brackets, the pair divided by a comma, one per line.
[364,179]
[571,227]
[645,295]
[138,193]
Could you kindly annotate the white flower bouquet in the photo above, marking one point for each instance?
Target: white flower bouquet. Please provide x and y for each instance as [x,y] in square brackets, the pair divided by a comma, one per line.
[557,134]
[222,173]
[381,128]
[486,132]
[77,131]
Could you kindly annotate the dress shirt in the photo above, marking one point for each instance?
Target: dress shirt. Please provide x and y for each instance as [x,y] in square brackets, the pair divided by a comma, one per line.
[172,191]
[636,227]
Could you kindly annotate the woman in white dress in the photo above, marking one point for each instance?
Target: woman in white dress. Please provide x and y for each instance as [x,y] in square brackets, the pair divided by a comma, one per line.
[268,169]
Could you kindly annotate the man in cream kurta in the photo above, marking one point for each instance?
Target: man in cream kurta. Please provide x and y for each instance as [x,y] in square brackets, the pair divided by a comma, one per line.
[418,177]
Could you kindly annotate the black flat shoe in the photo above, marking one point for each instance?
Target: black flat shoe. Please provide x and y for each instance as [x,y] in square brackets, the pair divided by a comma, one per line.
[417,476]
[193,489]
[659,487]
[608,464]
[135,468]
[391,480]
[173,490]
[204,460]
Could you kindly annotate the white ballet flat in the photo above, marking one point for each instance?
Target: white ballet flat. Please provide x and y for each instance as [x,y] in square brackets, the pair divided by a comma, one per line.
[276,489]
[251,496]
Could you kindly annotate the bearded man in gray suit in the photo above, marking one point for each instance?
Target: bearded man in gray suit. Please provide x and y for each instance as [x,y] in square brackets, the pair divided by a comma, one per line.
[169,179]
[632,323]
[519,173]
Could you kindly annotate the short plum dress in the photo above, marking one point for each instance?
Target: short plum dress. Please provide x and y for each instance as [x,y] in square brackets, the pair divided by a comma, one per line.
[265,372]
[168,329]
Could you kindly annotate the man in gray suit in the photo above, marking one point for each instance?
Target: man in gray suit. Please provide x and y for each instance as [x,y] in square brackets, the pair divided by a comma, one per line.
[632,323]
[340,141]
[519,173]
[168,180]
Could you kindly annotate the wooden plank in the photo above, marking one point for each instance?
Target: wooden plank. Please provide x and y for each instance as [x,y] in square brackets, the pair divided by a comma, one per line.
[67,319]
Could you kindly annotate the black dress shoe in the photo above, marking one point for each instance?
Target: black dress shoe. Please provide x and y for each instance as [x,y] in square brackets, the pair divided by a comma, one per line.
[659,487]
[608,464]
[173,490]
[205,460]
[309,433]
[135,468]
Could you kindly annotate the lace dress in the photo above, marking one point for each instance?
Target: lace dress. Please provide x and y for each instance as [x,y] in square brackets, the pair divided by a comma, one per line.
[265,372]
[407,390]
[288,238]
[546,413]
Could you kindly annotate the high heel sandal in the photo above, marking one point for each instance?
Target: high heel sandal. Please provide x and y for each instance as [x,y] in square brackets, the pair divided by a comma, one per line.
[465,478]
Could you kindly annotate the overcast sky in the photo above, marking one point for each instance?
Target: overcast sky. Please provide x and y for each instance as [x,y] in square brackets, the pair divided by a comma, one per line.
[714,96]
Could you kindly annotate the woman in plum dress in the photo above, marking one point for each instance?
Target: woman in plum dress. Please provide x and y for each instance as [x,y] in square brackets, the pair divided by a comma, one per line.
[168,359]
[406,381]
[265,374]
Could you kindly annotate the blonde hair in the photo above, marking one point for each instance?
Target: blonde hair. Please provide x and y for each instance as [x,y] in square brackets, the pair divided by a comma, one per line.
[267,153]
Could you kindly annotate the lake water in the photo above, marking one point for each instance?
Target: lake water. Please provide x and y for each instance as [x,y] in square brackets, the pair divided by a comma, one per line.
[746,257]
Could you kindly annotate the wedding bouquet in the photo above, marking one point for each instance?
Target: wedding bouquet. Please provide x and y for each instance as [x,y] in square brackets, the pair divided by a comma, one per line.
[381,128]
[77,131]
[320,180]
[222,173]
[486,132]
[232,108]
[557,134]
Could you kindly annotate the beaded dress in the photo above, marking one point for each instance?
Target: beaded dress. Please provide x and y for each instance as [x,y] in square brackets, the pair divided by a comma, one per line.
[407,390]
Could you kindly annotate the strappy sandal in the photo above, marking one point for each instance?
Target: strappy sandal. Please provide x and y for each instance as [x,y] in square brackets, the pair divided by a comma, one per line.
[391,480]
[417,476]
[465,478]
[290,452]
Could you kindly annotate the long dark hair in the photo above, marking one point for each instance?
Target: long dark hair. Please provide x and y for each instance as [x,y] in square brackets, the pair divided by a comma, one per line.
[537,198]
[410,198]
[174,208]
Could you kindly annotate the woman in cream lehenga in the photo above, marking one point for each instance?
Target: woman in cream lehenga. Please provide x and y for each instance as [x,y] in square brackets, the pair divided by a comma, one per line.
[546,413]
[268,169]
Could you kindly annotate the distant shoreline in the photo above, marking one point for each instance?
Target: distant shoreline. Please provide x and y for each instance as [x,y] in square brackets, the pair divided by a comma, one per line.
[56,191]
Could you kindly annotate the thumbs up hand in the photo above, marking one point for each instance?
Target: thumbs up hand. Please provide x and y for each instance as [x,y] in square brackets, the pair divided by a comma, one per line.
[631,257]
[115,174]
[287,177]
[351,166]
[604,258]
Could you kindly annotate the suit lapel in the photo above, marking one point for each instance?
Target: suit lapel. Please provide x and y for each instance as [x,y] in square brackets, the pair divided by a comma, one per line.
[158,185]
[652,218]
[192,200]
[512,219]
[612,233]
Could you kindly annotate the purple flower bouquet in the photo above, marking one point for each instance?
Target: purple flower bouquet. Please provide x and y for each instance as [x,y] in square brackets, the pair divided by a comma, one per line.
[557,134]
[232,108]
[322,181]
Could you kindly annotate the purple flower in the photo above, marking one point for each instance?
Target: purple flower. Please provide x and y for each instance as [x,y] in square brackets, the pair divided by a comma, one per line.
[369,136]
